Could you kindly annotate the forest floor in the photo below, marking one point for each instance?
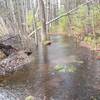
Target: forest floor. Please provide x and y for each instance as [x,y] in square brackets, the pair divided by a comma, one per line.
[58,72]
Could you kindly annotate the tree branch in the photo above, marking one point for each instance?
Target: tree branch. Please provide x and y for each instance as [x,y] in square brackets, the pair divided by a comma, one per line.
[65,14]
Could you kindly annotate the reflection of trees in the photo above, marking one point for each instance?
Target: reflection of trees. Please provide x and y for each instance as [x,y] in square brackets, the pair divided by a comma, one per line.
[45,74]
[84,77]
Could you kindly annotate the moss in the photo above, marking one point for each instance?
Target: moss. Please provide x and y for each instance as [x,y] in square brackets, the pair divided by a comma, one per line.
[29,98]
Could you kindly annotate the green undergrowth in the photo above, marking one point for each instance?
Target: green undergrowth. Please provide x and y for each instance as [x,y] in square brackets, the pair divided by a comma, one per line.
[79,19]
[92,41]
[65,68]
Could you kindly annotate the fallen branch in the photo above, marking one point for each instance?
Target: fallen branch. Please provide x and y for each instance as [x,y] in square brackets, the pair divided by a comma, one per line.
[33,32]
[65,14]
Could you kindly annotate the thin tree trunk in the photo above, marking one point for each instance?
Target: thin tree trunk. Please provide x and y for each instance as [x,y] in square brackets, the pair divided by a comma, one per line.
[43,20]
[48,13]
[35,24]
[88,25]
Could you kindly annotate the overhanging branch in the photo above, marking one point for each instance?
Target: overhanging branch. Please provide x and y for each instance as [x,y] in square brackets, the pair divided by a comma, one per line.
[65,14]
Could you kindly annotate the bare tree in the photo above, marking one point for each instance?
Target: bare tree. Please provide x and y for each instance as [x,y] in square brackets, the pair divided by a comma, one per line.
[44,36]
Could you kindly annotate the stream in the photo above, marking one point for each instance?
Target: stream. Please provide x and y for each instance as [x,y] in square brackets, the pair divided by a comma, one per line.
[60,71]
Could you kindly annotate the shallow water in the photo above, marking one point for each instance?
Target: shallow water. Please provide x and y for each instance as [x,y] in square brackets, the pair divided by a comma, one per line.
[58,72]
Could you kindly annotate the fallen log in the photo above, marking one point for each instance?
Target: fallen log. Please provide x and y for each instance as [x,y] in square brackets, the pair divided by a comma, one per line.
[14,62]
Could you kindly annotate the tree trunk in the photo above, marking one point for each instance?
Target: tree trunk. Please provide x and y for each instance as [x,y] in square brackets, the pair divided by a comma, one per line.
[48,13]
[88,24]
[43,20]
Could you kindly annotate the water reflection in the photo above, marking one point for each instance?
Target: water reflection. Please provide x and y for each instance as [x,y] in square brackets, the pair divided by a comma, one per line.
[45,74]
